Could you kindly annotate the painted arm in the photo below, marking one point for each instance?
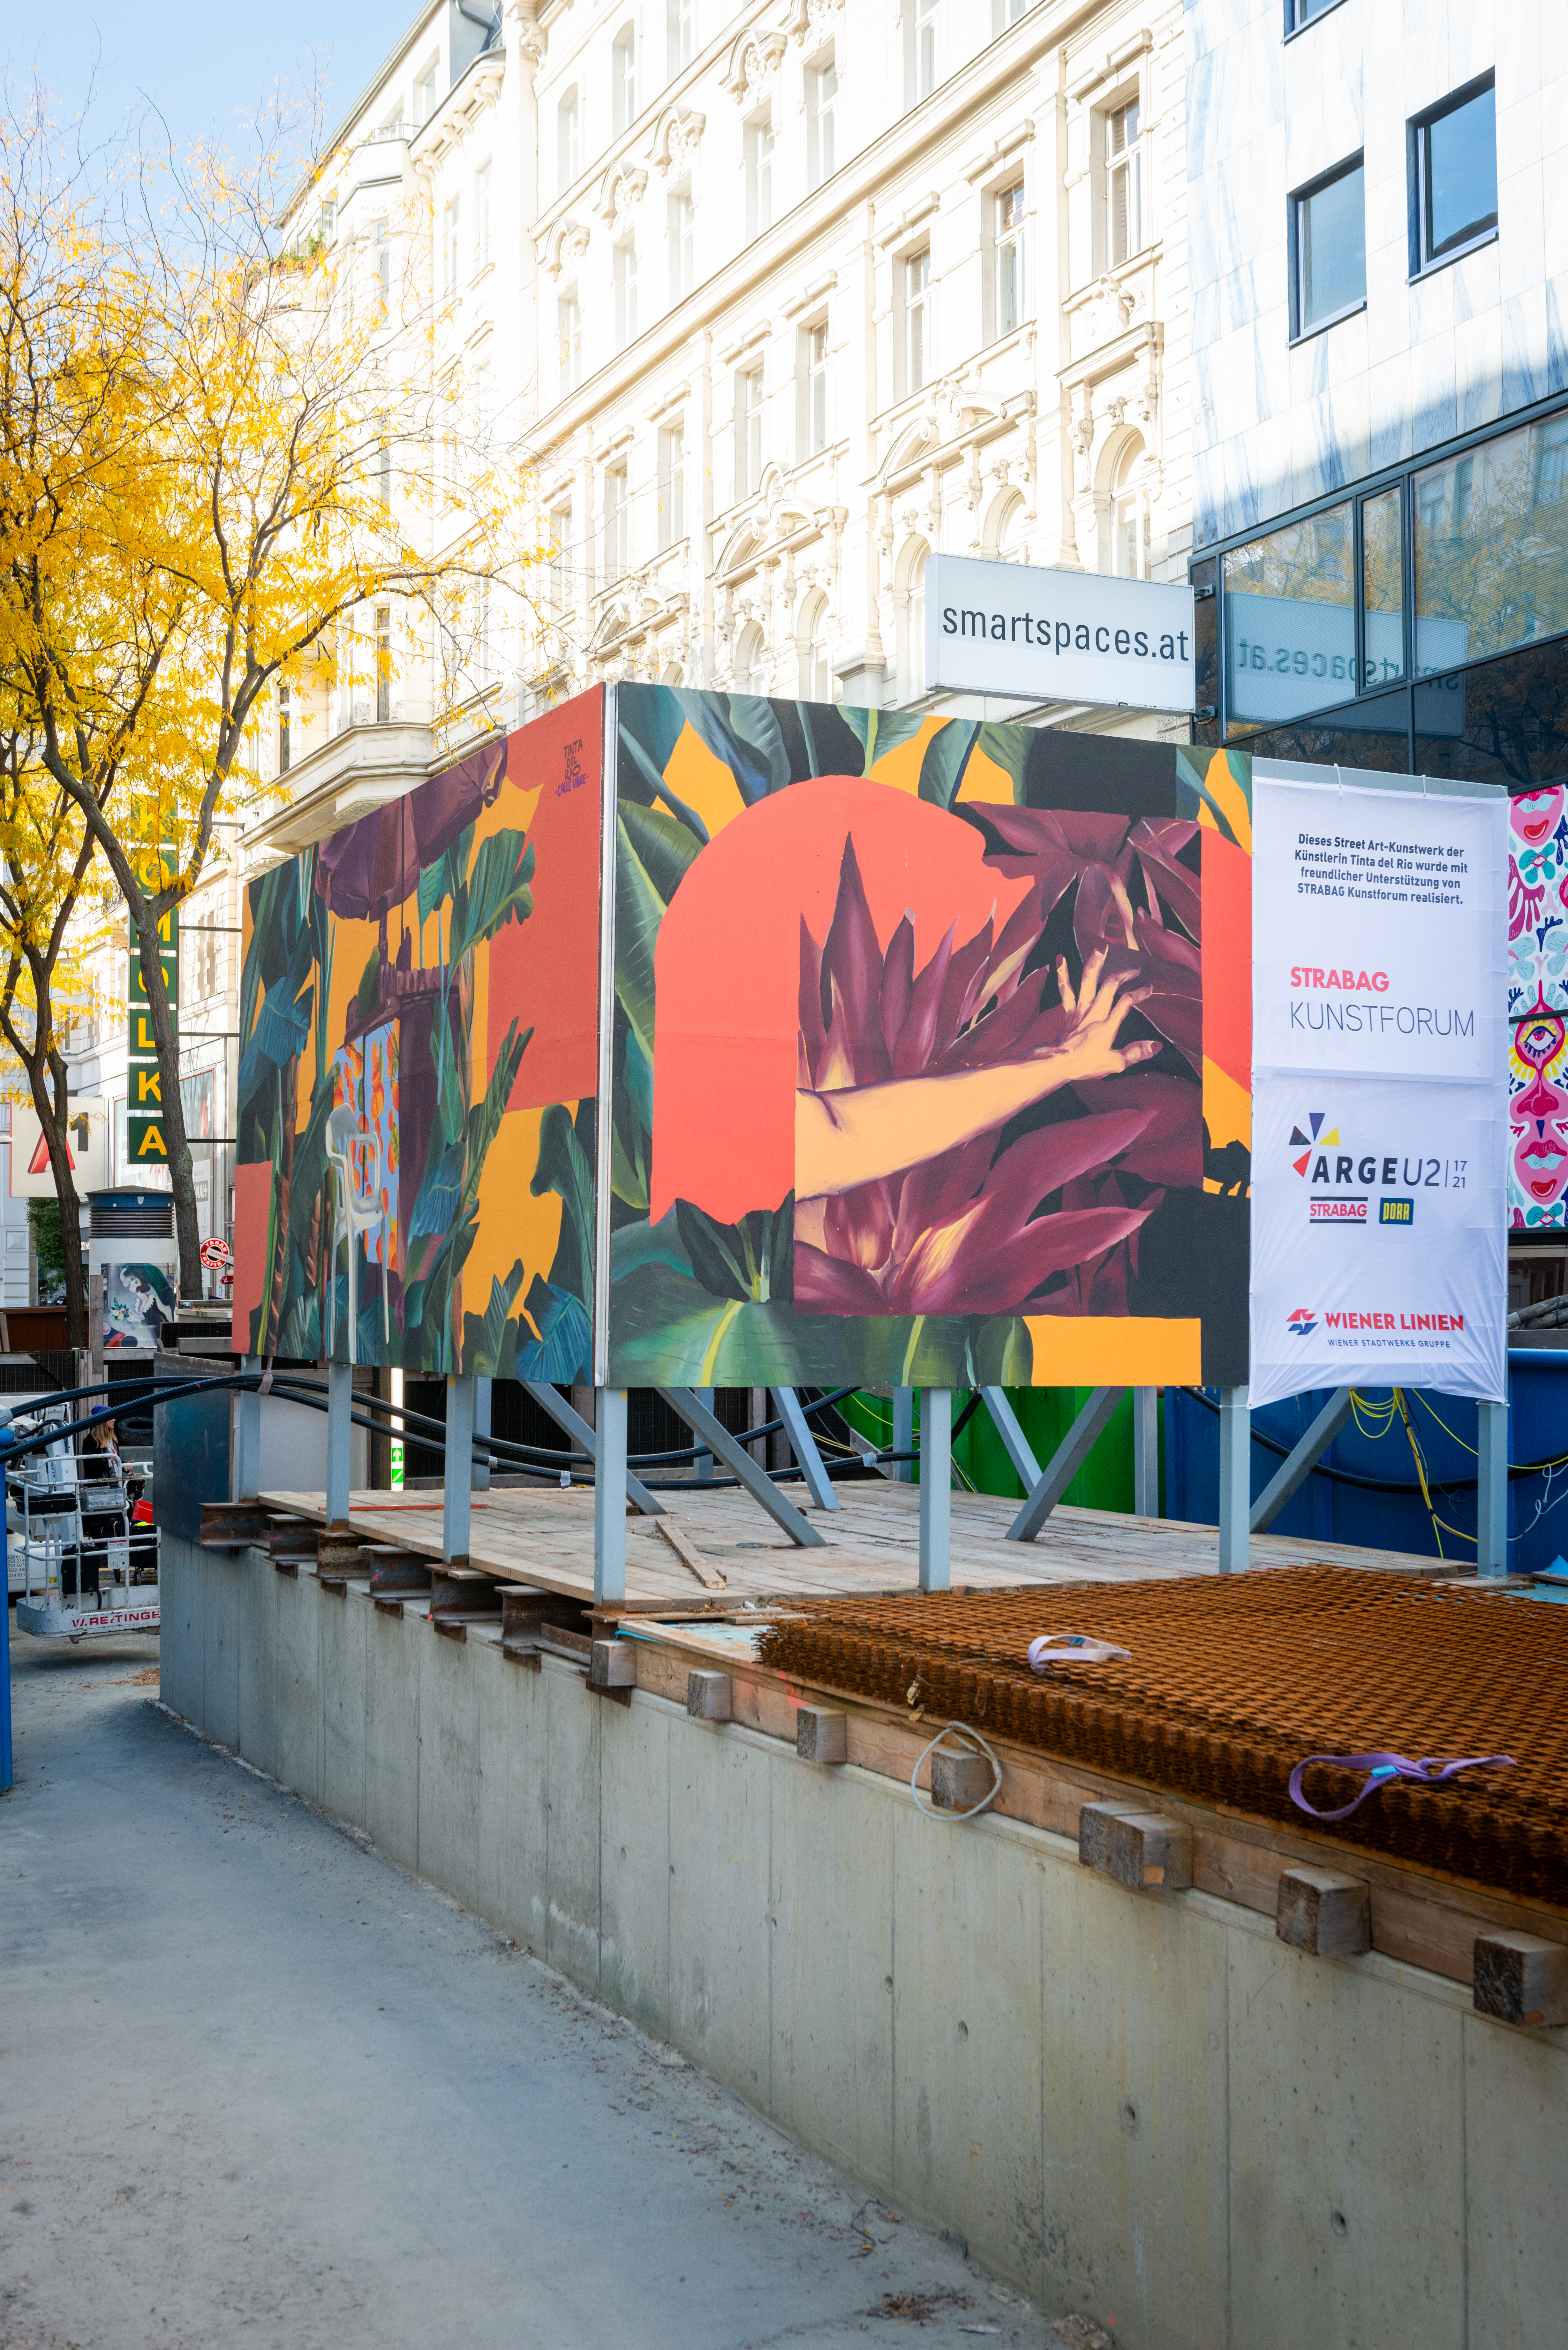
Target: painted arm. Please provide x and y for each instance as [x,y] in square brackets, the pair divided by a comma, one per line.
[865,1132]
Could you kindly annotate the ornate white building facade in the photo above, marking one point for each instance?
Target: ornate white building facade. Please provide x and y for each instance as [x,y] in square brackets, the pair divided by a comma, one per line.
[769,303]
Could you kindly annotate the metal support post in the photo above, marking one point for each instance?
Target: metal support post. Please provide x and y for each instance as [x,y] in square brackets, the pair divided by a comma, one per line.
[1065,1462]
[904,1433]
[339,1441]
[247,1439]
[1491,1489]
[735,1456]
[1235,1480]
[704,1460]
[609,1495]
[803,1444]
[482,1405]
[1145,1452]
[566,1415]
[1293,1473]
[457,1479]
[936,1488]
[1016,1445]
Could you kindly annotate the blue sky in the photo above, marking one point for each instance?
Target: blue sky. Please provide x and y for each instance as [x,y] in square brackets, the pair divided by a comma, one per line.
[207,69]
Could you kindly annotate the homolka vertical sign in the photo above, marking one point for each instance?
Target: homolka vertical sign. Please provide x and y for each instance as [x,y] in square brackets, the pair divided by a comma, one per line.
[146,1134]
[1028,634]
[1379,1085]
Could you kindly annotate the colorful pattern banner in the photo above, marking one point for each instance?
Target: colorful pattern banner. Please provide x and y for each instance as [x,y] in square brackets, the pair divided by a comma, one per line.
[1538,1004]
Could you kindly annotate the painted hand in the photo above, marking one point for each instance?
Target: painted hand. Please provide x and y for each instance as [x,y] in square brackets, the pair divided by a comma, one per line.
[1091,1020]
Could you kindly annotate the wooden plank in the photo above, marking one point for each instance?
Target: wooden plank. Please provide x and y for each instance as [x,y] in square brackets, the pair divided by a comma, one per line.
[686,1550]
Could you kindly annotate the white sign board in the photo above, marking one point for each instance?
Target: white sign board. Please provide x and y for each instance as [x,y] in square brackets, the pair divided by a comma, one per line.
[1028,634]
[1379,1090]
[87,1140]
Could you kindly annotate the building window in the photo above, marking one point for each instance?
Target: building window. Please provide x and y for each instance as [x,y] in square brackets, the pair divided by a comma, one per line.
[1007,244]
[1129,517]
[570,342]
[284,753]
[748,432]
[682,219]
[382,262]
[1491,547]
[815,664]
[679,18]
[1328,249]
[1455,160]
[425,91]
[671,485]
[922,60]
[561,561]
[623,79]
[813,367]
[383,663]
[1125,212]
[1301,12]
[482,216]
[917,287]
[821,124]
[616,519]
[568,142]
[749,674]
[1289,621]
[911,679]
[625,296]
[384,472]
[449,246]
[759,176]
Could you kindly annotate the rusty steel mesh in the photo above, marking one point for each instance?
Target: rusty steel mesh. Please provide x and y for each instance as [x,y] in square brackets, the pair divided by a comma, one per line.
[1235,1679]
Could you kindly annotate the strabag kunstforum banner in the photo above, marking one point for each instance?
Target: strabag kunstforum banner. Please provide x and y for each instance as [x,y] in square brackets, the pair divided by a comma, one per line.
[1379,1088]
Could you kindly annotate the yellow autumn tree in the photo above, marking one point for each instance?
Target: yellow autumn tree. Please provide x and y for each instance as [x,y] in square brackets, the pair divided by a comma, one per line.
[218,454]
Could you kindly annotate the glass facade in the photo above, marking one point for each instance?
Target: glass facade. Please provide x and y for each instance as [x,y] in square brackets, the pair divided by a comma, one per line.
[1426,613]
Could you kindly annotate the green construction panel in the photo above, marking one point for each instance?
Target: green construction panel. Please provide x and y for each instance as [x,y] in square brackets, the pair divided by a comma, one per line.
[1045,1414]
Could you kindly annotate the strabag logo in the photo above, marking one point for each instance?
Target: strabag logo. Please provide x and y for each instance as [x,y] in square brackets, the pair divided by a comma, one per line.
[1301,1323]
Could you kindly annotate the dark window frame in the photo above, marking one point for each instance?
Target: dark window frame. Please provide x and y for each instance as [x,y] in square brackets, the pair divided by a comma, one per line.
[1297,197]
[1206,567]
[1416,138]
[1296,24]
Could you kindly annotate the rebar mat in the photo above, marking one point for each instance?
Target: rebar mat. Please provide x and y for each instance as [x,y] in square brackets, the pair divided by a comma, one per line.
[1233,1680]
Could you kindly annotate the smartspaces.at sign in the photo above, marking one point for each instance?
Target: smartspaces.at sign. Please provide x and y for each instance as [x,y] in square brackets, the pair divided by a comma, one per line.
[1028,634]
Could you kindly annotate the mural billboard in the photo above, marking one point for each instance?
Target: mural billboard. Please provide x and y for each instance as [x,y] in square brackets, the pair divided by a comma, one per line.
[418,1071]
[930,1057]
[923,1058]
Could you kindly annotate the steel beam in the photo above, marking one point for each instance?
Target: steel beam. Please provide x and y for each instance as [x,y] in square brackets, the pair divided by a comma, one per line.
[1491,1490]
[247,1439]
[1065,1462]
[1145,1452]
[609,1495]
[936,1488]
[482,1405]
[903,1472]
[1294,1471]
[339,1441]
[803,1444]
[704,1460]
[1015,1444]
[457,1473]
[1235,1480]
[757,1482]
[550,1400]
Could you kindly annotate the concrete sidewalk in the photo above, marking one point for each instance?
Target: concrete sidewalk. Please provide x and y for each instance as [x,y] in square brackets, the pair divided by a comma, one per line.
[259,2086]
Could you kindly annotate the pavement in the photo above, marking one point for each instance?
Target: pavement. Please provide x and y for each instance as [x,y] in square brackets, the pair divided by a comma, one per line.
[260,2086]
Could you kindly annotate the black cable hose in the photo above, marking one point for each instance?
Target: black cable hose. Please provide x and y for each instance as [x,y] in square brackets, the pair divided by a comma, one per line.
[1377,1484]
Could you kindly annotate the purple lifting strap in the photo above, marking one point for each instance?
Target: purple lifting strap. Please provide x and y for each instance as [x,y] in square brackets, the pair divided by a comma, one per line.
[1430,1772]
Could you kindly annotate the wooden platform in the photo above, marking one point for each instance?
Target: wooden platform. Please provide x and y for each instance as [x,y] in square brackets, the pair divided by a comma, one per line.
[544,1536]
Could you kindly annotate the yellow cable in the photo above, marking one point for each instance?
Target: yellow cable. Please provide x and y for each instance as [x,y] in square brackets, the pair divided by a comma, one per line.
[1420,1470]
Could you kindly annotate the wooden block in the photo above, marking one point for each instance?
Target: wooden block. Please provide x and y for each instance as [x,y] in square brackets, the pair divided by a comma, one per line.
[613,1665]
[821,1736]
[959,1782]
[1328,1915]
[709,1696]
[1140,1849]
[1520,1979]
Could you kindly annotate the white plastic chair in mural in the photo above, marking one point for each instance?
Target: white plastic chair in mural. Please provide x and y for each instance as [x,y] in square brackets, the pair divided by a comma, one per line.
[355,1212]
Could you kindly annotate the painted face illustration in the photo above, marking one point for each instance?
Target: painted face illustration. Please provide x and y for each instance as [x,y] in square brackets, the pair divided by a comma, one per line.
[1535,815]
[1535,862]
[1539,1114]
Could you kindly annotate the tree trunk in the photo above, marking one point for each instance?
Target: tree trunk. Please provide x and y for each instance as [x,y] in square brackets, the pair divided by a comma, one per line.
[170,1103]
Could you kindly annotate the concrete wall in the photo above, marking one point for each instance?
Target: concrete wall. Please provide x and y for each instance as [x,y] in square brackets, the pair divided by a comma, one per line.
[1145,2107]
